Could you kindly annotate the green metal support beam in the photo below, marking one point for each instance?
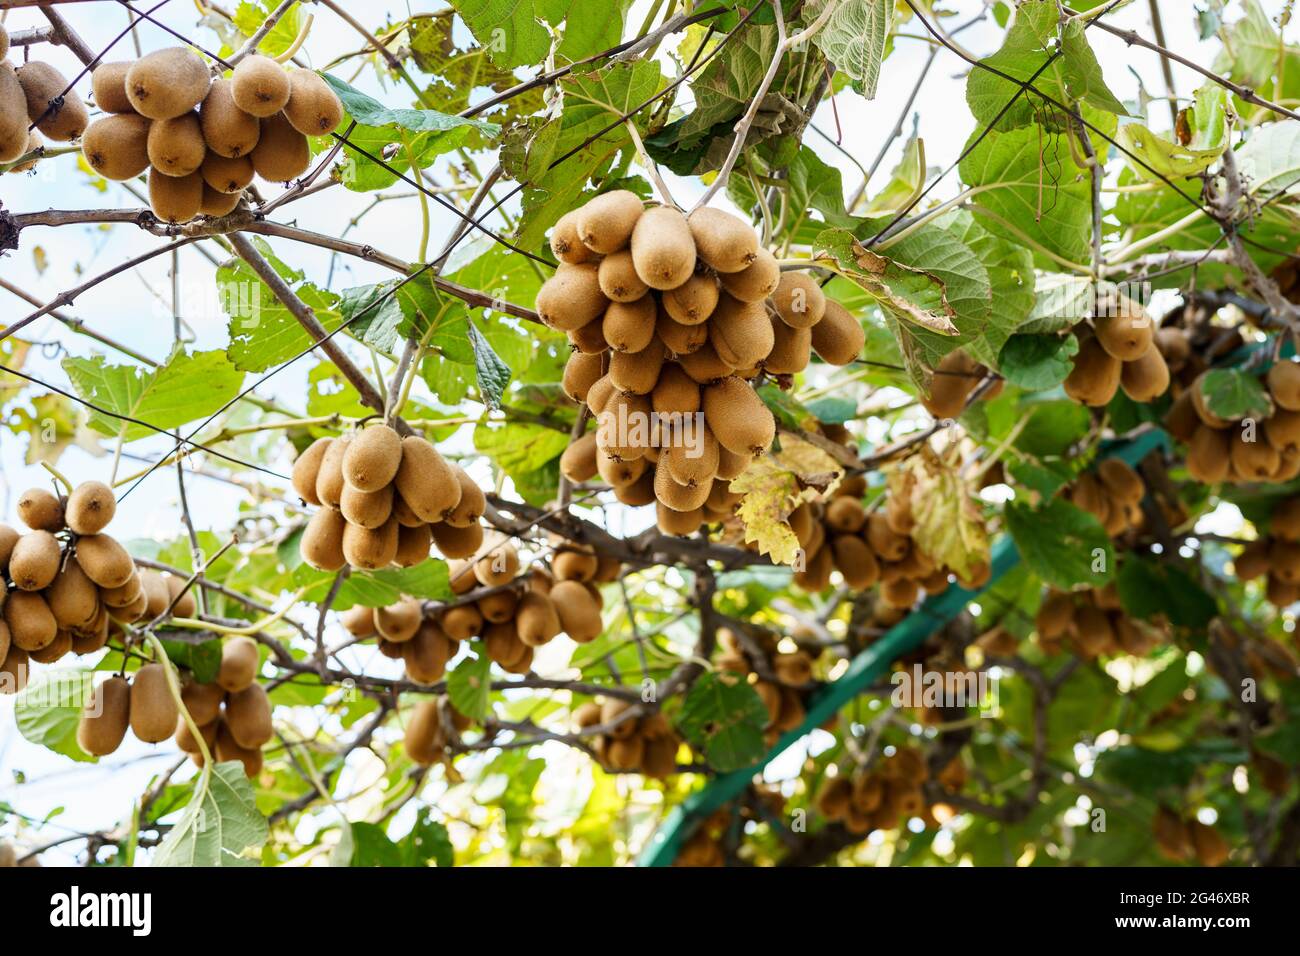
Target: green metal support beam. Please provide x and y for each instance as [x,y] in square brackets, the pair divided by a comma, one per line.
[864,671]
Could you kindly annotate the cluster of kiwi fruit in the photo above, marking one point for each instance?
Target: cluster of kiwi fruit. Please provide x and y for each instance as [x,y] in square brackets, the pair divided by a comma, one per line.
[793,670]
[68,582]
[1276,555]
[1182,840]
[426,737]
[1112,493]
[203,140]
[233,712]
[1119,350]
[384,500]
[1093,624]
[887,796]
[678,315]
[32,103]
[645,743]
[1220,450]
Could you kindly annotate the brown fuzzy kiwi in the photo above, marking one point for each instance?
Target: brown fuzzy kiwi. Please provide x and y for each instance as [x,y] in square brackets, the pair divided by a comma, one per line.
[14,670]
[34,142]
[756,281]
[29,619]
[573,565]
[884,541]
[740,332]
[578,611]
[40,510]
[571,298]
[424,740]
[227,749]
[105,717]
[226,175]
[306,469]
[662,249]
[839,337]
[108,83]
[847,515]
[117,146]
[499,607]
[1181,420]
[605,223]
[618,278]
[721,497]
[426,654]
[1253,562]
[675,392]
[123,594]
[799,300]
[322,541]
[854,560]
[370,548]
[732,464]
[186,742]
[1283,432]
[175,198]
[589,339]
[471,504]
[372,458]
[104,560]
[791,349]
[1121,480]
[58,114]
[369,509]
[457,542]
[680,339]
[260,86]
[203,701]
[281,153]
[599,395]
[176,146]
[461,623]
[694,300]
[73,597]
[1128,333]
[704,365]
[414,543]
[498,566]
[313,108]
[1209,455]
[8,538]
[359,621]
[536,620]
[1253,460]
[677,496]
[578,463]
[619,473]
[738,417]
[153,709]
[1284,385]
[565,243]
[900,593]
[502,644]
[1283,559]
[13,115]
[428,484]
[725,242]
[90,507]
[1147,378]
[131,612]
[1094,379]
[1284,522]
[954,378]
[228,130]
[623,430]
[217,204]
[629,326]
[638,372]
[167,83]
[638,494]
[239,663]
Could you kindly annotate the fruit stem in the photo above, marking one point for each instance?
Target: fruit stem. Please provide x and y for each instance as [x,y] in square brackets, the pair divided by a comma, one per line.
[195,624]
[58,476]
[298,41]
[174,686]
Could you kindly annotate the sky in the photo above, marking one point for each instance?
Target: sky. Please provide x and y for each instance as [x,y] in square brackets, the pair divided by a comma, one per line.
[135,308]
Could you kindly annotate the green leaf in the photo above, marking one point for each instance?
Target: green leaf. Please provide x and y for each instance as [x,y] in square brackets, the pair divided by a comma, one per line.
[219,824]
[1082,72]
[833,410]
[1269,162]
[1149,588]
[48,711]
[949,525]
[493,374]
[1027,46]
[427,841]
[724,717]
[519,448]
[1037,362]
[427,580]
[468,686]
[1207,127]
[368,111]
[514,31]
[184,388]
[1233,394]
[909,295]
[1062,544]
[202,658]
[853,38]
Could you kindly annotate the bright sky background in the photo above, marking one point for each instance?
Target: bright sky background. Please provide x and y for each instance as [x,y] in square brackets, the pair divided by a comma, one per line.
[133,308]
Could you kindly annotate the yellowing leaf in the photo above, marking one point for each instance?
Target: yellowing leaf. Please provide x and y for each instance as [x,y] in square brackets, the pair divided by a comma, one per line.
[774,486]
[40,260]
[949,526]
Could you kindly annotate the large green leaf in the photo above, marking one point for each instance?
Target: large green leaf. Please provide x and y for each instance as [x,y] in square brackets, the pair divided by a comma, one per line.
[48,711]
[263,332]
[724,717]
[1206,137]
[469,687]
[1062,544]
[853,38]
[1025,49]
[218,825]
[514,32]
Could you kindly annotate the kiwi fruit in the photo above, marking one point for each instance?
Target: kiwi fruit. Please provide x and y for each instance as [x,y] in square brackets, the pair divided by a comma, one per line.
[456,542]
[281,153]
[461,623]
[1094,379]
[847,515]
[1207,417]
[1253,562]
[260,86]
[1283,431]
[426,654]
[680,339]
[153,709]
[1147,378]
[838,338]
[621,421]
[791,349]
[619,473]
[226,176]
[854,560]
[43,86]
[756,281]
[572,297]
[741,333]
[662,249]
[1284,522]
[725,242]
[372,458]
[637,372]
[498,566]
[239,663]
[1209,455]
[573,565]
[108,83]
[55,650]
[600,393]
[1253,460]
[13,115]
[694,300]
[8,538]
[73,597]
[675,392]
[799,300]
[618,278]
[1284,385]
[731,464]
[186,742]
[953,380]
[498,608]
[216,204]
[90,507]
[413,545]
[40,510]
[34,142]
[157,596]
[248,715]
[117,146]
[578,463]
[565,243]
[369,509]
[203,701]
[322,541]
[424,741]
[370,548]
[536,620]
[590,339]
[578,611]
[167,83]
[175,198]
[471,504]
[359,621]
[227,749]
[692,463]
[704,365]
[629,326]
[313,108]
[14,670]
[123,594]
[104,560]
[306,468]
[30,621]
[738,417]
[427,483]
[503,645]
[641,492]
[1121,480]
[228,130]
[580,372]
[105,717]
[1126,335]
[176,146]
[677,496]
[606,223]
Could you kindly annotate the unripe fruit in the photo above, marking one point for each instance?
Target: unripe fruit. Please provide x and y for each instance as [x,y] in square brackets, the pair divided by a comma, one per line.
[1094,379]
[1126,335]
[565,243]
[471,504]
[248,715]
[228,130]
[322,541]
[725,242]
[108,83]
[167,83]
[456,542]
[40,510]
[259,86]
[239,663]
[117,146]
[839,337]
[43,86]
[799,300]
[663,251]
[104,560]
[571,298]
[176,146]
[372,458]
[424,741]
[153,709]
[281,153]
[175,198]
[105,718]
[90,507]
[313,108]
[605,224]
[427,483]
[203,701]
[738,417]
[694,300]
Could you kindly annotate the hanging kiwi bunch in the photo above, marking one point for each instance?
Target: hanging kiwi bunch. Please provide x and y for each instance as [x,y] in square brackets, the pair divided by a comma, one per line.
[68,582]
[1118,350]
[1275,556]
[647,743]
[1219,450]
[32,95]
[384,500]
[1112,494]
[887,796]
[1182,840]
[1093,624]
[678,315]
[203,140]
[784,697]
[427,726]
